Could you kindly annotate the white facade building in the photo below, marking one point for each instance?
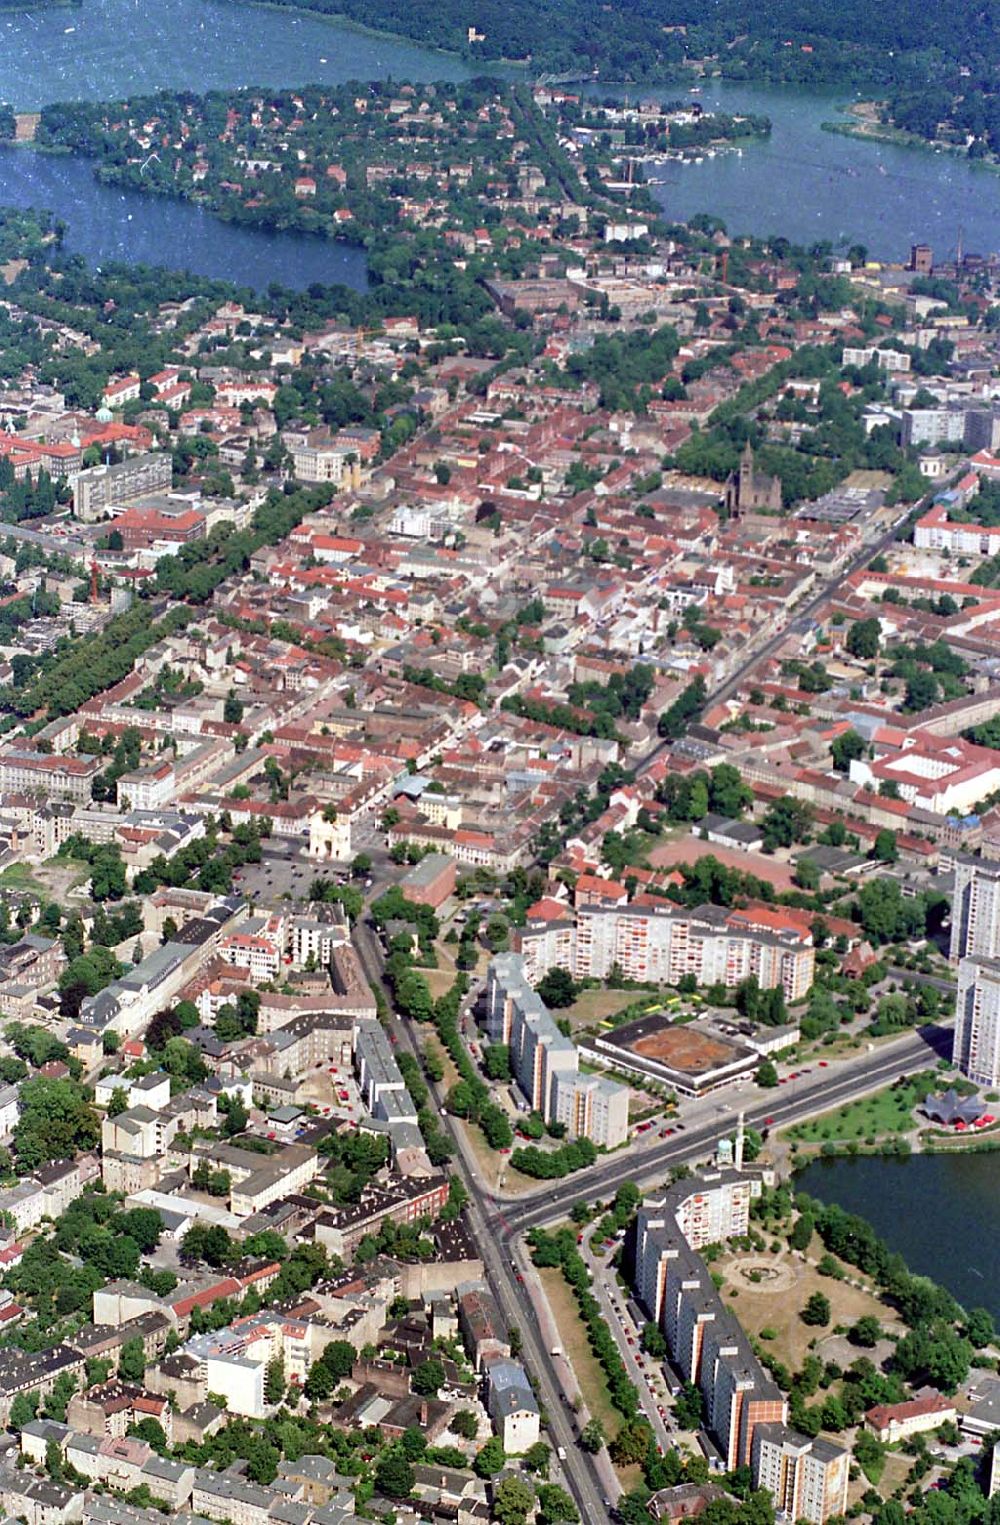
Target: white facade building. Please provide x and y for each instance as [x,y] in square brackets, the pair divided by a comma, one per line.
[976,1048]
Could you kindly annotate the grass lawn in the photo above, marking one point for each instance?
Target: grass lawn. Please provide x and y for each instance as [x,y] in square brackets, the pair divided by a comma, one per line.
[592,1006]
[589,1375]
[758,1307]
[18,876]
[870,1117]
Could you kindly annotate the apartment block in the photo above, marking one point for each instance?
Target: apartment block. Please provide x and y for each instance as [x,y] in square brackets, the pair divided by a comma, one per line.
[546,1063]
[100,489]
[975,909]
[976,1042]
[745,1411]
[663,942]
[806,1478]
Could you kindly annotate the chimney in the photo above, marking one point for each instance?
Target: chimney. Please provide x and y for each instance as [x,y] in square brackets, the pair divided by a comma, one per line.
[738,1155]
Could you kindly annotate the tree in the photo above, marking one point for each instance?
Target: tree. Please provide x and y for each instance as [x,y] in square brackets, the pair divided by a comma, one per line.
[921,691]
[496,1061]
[118,1102]
[817,1310]
[143,1225]
[262,1461]
[592,1436]
[557,989]
[631,1443]
[863,639]
[689,1407]
[865,1332]
[802,1231]
[274,1380]
[132,1361]
[57,1400]
[555,1506]
[767,1075]
[428,1378]
[394,1476]
[23,1410]
[807,875]
[54,1460]
[465,1424]
[845,749]
[653,1341]
[208,1243]
[56,1122]
[884,848]
[512,1500]
[266,1244]
[728,794]
[490,1458]
[319,1384]
[236,1116]
[537,1457]
[153,1433]
[788,821]
[979,1327]
[933,1353]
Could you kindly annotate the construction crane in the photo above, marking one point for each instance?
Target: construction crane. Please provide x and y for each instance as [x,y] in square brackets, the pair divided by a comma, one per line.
[360,335]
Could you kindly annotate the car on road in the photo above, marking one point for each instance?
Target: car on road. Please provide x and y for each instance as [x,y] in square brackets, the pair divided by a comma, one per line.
[769,1122]
[824,1064]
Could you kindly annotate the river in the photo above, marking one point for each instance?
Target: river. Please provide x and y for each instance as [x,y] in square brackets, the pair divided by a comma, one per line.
[804,183]
[941,1212]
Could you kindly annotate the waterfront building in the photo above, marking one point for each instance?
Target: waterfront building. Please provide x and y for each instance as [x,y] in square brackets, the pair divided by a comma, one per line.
[806,1478]
[976,1046]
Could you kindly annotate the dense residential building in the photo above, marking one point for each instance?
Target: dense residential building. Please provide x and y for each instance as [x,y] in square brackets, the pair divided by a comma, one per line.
[976,1043]
[744,1409]
[662,942]
[975,909]
[546,1064]
[806,1478]
[513,1406]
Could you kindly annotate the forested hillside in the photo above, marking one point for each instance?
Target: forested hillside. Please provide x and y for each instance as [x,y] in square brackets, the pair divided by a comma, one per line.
[844,41]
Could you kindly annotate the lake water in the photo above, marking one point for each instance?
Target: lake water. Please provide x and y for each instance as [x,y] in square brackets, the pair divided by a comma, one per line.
[105,224]
[809,185]
[103,49]
[108,48]
[940,1212]
[803,182]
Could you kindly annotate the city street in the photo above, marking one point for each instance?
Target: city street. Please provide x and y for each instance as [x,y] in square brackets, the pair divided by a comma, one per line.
[498,1224]
[613,1307]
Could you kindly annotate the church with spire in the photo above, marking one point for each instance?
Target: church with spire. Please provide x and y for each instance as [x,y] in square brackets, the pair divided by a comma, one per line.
[749,490]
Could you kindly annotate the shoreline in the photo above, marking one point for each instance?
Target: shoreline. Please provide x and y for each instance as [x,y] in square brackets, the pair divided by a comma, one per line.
[338,19]
[865,130]
[60,151]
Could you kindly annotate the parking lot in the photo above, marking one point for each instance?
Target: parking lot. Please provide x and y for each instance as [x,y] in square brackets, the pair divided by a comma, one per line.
[334,1092]
[284,869]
